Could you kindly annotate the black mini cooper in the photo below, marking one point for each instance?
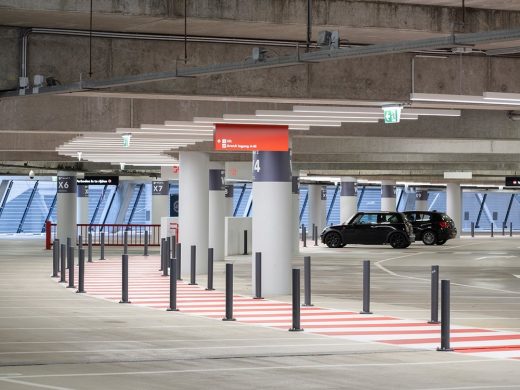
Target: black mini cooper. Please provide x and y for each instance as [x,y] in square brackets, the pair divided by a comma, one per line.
[371,229]
[432,227]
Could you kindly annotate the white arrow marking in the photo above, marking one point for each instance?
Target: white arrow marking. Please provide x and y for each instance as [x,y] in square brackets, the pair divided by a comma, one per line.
[494,257]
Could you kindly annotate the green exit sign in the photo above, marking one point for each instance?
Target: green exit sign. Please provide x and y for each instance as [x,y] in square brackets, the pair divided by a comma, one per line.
[392,114]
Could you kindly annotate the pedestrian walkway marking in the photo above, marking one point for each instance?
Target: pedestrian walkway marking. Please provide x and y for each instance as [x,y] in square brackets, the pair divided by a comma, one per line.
[147,287]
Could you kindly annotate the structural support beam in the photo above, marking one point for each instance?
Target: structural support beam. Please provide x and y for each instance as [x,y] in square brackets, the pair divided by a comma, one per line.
[193,207]
[217,210]
[67,206]
[272,220]
[454,205]
[388,195]
[348,199]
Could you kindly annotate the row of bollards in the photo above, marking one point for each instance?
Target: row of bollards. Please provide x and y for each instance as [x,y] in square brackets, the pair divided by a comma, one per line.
[492,231]
[63,256]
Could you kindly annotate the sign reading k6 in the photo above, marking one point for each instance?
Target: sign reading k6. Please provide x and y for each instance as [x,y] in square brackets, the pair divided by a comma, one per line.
[243,138]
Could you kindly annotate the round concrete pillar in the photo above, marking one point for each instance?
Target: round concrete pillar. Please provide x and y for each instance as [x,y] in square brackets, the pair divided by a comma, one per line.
[193,208]
[454,205]
[317,204]
[83,204]
[160,200]
[347,199]
[66,204]
[388,195]
[272,220]
[421,200]
[296,213]
[217,210]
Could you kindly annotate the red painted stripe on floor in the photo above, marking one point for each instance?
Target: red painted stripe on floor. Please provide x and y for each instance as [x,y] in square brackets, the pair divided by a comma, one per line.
[500,348]
[388,332]
[454,339]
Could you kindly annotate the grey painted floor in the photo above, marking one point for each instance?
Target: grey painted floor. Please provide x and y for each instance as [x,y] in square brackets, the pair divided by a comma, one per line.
[51,338]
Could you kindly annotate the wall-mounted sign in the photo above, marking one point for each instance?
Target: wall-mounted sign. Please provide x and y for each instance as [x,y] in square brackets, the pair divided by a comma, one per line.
[99,180]
[161,187]
[513,181]
[67,185]
[174,205]
[244,138]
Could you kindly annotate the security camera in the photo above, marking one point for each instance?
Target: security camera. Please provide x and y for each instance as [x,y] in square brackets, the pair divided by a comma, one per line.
[31,174]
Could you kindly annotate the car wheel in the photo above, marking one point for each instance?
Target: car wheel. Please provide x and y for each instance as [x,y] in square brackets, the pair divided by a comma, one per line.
[441,242]
[398,241]
[429,237]
[333,240]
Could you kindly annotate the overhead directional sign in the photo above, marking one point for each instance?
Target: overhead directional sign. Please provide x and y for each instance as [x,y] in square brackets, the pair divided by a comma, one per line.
[512,181]
[246,137]
[99,180]
[392,113]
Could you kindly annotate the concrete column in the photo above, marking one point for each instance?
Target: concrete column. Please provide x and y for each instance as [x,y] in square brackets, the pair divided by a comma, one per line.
[272,220]
[160,200]
[228,194]
[217,210]
[296,213]
[194,208]
[421,200]
[388,195]
[83,205]
[66,213]
[348,199]
[317,204]
[453,205]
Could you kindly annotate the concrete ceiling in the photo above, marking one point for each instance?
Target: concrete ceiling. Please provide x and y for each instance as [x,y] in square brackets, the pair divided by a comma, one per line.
[485,142]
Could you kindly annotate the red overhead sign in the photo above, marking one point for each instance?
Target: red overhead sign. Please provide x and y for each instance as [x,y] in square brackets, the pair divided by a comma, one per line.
[243,138]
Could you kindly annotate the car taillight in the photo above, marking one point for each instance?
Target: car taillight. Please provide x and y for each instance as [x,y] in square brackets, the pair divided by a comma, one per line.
[444,225]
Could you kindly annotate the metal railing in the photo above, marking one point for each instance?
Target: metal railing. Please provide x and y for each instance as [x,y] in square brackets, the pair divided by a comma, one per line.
[114,233]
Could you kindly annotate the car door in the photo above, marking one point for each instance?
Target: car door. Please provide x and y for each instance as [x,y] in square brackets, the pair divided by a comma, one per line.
[422,223]
[384,228]
[363,229]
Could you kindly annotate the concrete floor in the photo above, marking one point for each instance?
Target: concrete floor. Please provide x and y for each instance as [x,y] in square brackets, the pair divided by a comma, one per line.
[51,338]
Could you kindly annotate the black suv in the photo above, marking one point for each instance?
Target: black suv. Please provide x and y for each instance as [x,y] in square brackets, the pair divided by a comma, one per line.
[371,229]
[431,227]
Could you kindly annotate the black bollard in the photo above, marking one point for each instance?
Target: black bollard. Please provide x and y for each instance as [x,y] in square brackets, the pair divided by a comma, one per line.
[89,248]
[70,258]
[307,280]
[145,243]
[174,246]
[510,229]
[503,228]
[69,244]
[258,275]
[173,286]
[165,259]
[315,235]
[366,287]
[313,231]
[229,293]
[178,253]
[193,263]
[55,258]
[80,242]
[304,236]
[102,246]
[63,268]
[162,253]
[167,255]
[472,229]
[435,295]
[296,301]
[492,233]
[125,242]
[445,317]
[245,242]
[81,271]
[210,270]
[124,282]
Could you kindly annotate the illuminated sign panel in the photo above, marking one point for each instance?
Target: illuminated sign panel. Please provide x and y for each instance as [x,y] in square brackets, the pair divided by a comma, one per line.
[245,137]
